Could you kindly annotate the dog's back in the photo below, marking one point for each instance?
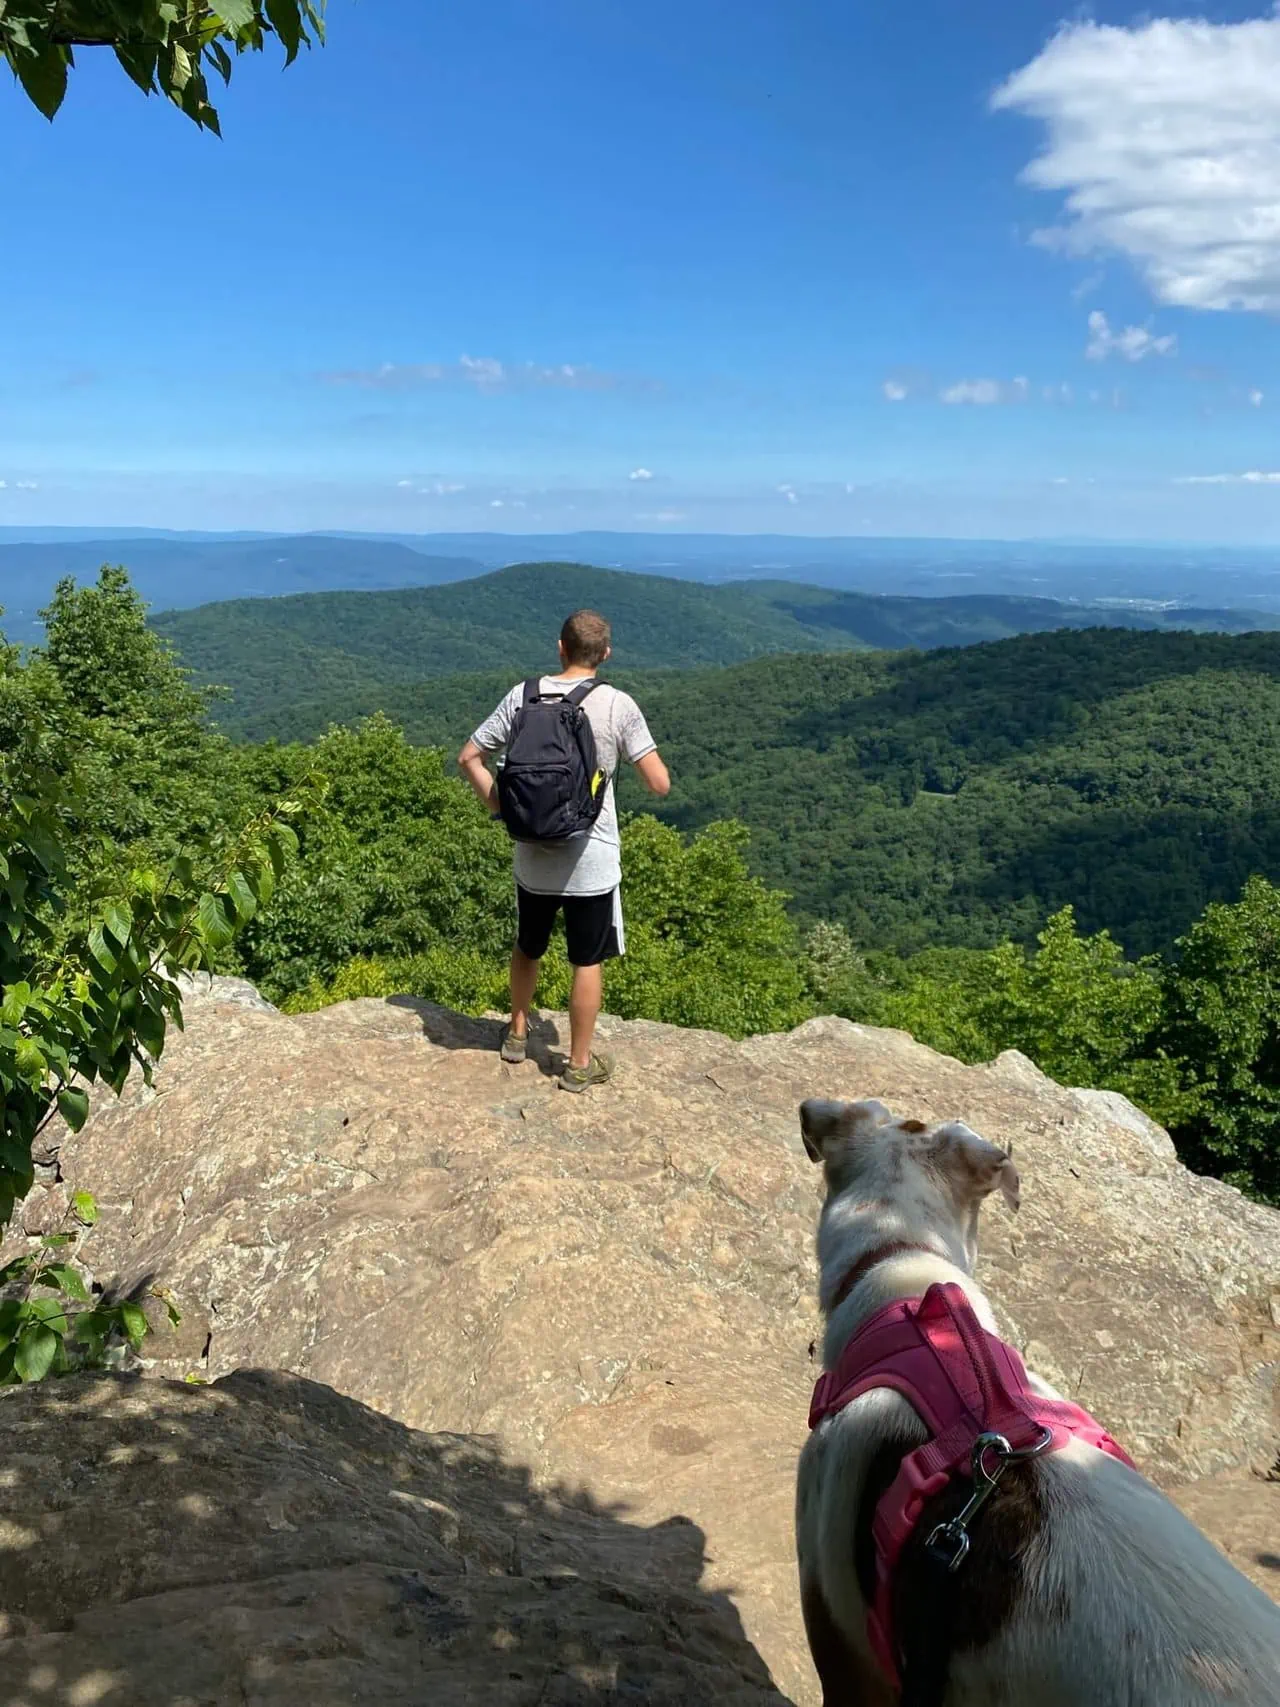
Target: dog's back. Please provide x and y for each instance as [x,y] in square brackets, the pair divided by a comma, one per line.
[1124,1604]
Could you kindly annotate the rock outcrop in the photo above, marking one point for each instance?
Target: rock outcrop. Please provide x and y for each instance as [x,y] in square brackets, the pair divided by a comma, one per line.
[268,1542]
[620,1287]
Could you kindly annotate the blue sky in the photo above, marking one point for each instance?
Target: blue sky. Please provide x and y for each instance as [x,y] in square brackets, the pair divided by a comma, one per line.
[801,266]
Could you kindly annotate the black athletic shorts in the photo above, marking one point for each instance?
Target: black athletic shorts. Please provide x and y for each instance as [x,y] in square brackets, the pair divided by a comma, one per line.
[589,929]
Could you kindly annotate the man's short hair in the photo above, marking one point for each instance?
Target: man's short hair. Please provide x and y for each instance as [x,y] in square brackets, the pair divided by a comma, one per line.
[586,638]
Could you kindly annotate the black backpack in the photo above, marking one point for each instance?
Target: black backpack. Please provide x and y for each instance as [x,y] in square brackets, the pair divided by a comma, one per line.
[550,788]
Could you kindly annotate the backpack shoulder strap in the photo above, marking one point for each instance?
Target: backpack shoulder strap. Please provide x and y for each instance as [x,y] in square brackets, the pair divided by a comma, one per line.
[532,690]
[580,693]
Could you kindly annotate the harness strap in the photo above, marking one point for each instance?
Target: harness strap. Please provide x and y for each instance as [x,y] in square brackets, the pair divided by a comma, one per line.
[963,1382]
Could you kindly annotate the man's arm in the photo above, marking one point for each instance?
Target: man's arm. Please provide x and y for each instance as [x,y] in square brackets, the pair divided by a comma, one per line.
[471,762]
[654,774]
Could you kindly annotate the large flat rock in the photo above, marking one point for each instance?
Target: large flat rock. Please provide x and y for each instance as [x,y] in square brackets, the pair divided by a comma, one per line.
[620,1286]
[268,1543]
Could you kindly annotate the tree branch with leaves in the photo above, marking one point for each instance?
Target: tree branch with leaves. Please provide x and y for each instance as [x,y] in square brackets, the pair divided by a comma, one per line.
[168,47]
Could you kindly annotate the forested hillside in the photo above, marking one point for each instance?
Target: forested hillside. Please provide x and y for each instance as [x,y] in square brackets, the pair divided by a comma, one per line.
[923,799]
[957,797]
[297,664]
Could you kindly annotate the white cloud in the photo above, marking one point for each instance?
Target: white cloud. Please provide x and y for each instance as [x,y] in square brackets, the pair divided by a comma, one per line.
[1255,477]
[789,493]
[980,391]
[640,474]
[894,391]
[4,485]
[1164,140]
[660,516]
[1256,398]
[1133,344]
[28,485]
[404,484]
[483,373]
[497,503]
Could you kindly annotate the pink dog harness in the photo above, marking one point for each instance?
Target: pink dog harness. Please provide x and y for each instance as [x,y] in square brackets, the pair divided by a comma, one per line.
[972,1394]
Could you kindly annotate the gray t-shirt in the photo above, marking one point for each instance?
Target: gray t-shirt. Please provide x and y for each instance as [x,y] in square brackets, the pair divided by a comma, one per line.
[592,866]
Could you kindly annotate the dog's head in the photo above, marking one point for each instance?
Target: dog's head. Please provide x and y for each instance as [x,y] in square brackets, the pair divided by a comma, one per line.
[934,1177]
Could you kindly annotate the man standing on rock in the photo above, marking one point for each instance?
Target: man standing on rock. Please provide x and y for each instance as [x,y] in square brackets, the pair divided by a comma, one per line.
[563,737]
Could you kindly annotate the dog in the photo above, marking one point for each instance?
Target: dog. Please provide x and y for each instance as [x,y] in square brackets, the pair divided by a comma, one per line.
[1082,1585]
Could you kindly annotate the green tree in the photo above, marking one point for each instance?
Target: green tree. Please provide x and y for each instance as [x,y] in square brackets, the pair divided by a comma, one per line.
[402,863]
[88,985]
[1074,1005]
[1223,1001]
[152,776]
[168,47]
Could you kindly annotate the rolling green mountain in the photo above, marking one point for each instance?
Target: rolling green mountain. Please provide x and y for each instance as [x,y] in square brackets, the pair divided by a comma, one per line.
[958,797]
[296,664]
[952,797]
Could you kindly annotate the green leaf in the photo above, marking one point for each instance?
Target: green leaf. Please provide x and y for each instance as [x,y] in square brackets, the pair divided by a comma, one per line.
[43,74]
[237,15]
[30,1061]
[84,1207]
[286,21]
[242,896]
[91,1326]
[119,921]
[150,1028]
[133,1319]
[51,1312]
[211,917]
[63,1277]
[139,60]
[37,1348]
[98,948]
[73,1106]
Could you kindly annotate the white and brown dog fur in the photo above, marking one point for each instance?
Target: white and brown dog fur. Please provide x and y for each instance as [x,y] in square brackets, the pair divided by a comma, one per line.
[1085,1586]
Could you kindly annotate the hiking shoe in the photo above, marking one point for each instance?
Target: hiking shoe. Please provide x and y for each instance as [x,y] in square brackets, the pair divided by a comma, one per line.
[514,1049]
[579,1079]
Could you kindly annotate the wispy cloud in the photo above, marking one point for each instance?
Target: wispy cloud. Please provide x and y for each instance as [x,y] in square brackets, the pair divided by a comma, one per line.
[661,516]
[640,474]
[1256,398]
[481,373]
[789,492]
[1163,138]
[1254,477]
[431,488]
[1132,344]
[894,391]
[986,393]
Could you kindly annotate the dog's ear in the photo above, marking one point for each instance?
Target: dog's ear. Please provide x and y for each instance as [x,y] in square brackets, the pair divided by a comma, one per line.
[974,1167]
[823,1123]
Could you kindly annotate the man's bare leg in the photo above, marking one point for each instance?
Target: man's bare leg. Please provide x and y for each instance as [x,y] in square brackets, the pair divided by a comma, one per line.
[584,1010]
[524,982]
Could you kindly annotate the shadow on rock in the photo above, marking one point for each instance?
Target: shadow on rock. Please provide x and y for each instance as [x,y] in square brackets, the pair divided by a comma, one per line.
[450,1030]
[268,1541]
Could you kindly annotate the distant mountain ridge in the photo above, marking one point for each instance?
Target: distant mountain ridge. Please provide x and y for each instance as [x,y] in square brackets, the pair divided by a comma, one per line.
[179,570]
[295,664]
[187,570]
